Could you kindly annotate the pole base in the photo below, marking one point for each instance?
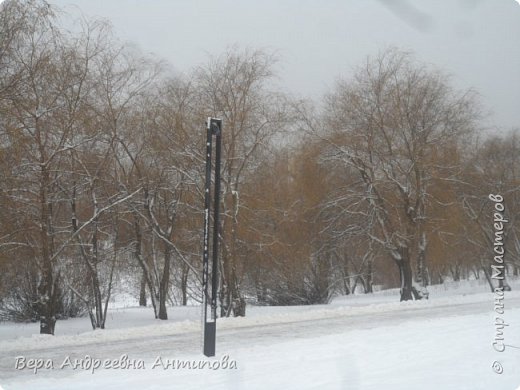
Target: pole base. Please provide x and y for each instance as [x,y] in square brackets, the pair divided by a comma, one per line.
[210,332]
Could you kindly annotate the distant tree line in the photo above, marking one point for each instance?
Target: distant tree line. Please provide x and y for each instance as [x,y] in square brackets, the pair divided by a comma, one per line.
[384,182]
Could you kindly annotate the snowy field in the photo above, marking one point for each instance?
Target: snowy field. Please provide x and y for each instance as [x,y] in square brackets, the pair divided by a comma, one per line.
[356,342]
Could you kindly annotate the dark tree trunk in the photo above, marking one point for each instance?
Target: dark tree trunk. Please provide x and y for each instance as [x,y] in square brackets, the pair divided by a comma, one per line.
[346,286]
[164,284]
[354,286]
[143,264]
[488,278]
[184,285]
[369,281]
[226,301]
[346,276]
[142,291]
[405,274]
[100,321]
[239,307]
[96,286]
[47,306]
[46,288]
[502,283]
[47,302]
[231,303]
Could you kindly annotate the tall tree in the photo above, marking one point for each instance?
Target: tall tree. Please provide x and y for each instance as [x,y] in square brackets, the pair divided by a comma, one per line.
[492,168]
[234,88]
[39,127]
[390,123]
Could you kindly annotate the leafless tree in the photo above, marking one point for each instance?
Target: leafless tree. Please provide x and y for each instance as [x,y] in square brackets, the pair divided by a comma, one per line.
[234,88]
[42,115]
[492,168]
[392,123]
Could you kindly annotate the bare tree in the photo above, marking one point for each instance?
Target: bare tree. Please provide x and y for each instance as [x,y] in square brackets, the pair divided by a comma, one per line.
[169,162]
[492,168]
[40,130]
[391,124]
[234,87]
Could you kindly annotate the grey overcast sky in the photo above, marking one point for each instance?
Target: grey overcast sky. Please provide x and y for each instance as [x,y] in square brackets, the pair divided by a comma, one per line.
[477,42]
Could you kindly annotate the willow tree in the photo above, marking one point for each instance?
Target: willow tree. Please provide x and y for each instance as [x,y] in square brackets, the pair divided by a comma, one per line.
[394,123]
[234,87]
[39,115]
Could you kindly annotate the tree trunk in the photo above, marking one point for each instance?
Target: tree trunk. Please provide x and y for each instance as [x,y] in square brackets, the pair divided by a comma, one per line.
[47,312]
[225,295]
[98,302]
[488,278]
[184,285]
[144,266]
[96,286]
[110,281]
[46,287]
[422,277]
[231,300]
[47,300]
[502,283]
[363,283]
[405,274]
[142,291]
[346,285]
[368,280]
[164,284]
[239,307]
[455,272]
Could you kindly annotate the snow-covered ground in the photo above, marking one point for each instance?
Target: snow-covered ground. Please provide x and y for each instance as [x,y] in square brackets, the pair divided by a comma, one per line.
[356,342]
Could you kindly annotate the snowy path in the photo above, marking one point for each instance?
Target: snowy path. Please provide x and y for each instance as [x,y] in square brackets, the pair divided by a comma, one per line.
[347,349]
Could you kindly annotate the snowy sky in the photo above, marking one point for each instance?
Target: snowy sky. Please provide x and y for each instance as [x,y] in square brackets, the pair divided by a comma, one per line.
[477,42]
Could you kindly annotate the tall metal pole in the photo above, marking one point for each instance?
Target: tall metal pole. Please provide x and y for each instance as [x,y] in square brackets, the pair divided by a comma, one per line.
[216,215]
[214,128]
[207,202]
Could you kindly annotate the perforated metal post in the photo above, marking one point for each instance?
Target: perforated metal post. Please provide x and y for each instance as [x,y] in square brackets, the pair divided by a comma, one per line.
[214,128]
